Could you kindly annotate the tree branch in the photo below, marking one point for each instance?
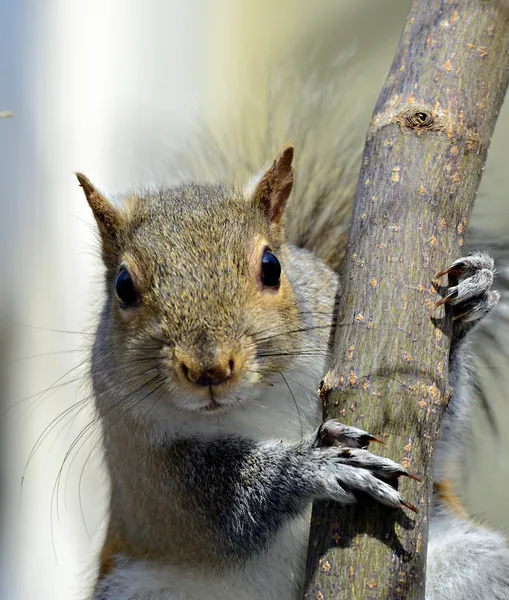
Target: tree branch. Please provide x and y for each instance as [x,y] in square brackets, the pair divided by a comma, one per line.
[422,165]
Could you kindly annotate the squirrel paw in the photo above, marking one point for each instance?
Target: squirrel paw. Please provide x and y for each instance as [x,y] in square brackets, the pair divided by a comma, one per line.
[344,471]
[470,294]
[351,468]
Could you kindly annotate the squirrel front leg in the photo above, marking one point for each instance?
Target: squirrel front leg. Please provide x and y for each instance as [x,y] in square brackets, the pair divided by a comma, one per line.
[466,560]
[246,490]
[470,298]
[242,492]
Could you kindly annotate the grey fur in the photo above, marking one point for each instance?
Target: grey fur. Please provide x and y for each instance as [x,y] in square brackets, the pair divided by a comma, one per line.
[235,498]
[466,314]
[466,560]
[247,490]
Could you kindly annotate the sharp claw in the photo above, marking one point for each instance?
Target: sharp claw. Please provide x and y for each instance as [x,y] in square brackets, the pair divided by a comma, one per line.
[409,506]
[453,270]
[376,440]
[442,301]
[446,272]
[402,473]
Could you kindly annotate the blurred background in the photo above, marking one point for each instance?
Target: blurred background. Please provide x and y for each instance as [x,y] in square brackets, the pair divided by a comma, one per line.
[117,89]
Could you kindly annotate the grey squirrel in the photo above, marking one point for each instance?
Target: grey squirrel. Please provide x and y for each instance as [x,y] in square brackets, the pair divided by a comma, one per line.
[212,320]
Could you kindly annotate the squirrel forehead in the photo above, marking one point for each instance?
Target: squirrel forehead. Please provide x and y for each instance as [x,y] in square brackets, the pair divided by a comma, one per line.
[209,224]
[195,247]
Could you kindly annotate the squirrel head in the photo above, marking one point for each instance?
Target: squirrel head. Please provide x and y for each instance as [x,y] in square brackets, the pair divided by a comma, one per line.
[200,309]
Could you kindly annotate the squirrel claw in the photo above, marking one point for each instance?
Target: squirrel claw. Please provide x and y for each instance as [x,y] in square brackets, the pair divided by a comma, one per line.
[441,301]
[471,298]
[450,271]
[333,433]
[411,507]
[447,298]
[376,440]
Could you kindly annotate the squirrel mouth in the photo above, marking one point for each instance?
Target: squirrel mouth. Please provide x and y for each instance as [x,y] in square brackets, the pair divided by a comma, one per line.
[211,407]
[214,407]
[213,403]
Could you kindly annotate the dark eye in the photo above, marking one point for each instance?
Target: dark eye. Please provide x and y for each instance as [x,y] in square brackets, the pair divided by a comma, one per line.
[125,290]
[271,270]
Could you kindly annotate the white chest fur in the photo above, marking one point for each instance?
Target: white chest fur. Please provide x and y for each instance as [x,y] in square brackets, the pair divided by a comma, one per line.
[275,574]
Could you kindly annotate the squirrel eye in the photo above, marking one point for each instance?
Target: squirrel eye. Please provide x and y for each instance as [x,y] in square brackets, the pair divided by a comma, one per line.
[125,290]
[271,270]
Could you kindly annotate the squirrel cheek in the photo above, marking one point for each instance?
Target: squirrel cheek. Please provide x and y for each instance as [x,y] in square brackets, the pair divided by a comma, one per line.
[128,314]
[280,298]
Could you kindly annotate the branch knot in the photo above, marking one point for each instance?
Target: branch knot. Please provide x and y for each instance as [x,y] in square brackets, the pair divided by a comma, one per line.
[419,118]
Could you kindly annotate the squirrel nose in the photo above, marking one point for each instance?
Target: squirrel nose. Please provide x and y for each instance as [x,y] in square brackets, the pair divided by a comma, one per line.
[214,375]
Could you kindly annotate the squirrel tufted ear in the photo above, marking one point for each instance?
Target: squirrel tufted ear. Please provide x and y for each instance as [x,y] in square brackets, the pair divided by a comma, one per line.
[109,219]
[274,187]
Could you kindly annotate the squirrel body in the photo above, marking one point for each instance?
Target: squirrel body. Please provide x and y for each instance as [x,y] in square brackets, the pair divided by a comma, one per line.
[212,341]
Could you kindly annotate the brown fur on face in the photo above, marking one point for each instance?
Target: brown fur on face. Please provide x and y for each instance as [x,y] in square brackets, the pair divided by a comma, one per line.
[194,254]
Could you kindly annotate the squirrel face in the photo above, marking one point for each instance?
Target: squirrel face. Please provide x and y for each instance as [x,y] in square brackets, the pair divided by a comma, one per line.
[199,306]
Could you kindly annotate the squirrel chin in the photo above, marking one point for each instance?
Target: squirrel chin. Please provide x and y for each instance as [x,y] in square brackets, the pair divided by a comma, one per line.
[212,404]
[215,407]
[217,400]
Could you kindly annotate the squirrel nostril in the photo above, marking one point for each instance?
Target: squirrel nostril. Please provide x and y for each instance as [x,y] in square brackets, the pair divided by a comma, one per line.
[231,364]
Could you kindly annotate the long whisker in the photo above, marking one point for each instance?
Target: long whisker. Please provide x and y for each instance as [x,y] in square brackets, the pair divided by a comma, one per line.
[54,387]
[52,330]
[69,427]
[47,430]
[296,353]
[295,402]
[42,436]
[85,430]
[291,331]
[50,389]
[44,354]
[42,394]
[80,498]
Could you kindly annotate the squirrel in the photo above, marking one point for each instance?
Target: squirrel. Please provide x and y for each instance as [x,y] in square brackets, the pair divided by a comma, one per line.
[214,335]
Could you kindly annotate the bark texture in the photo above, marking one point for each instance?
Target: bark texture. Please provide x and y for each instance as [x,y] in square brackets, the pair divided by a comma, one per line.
[422,165]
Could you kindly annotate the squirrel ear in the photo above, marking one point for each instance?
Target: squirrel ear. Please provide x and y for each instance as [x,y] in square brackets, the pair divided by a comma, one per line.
[107,216]
[274,187]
